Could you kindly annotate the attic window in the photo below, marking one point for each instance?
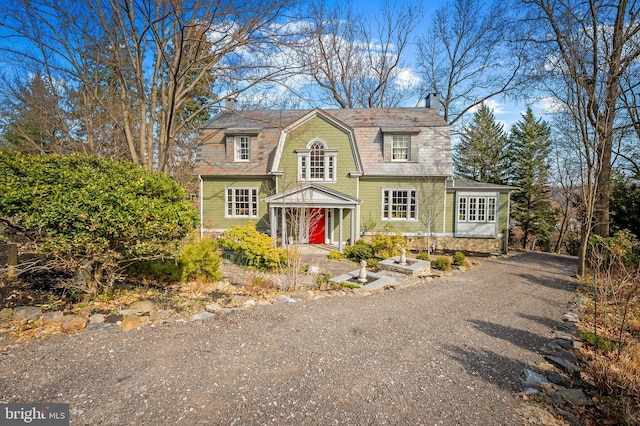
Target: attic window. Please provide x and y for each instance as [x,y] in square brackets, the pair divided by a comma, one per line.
[400,144]
[242,148]
[400,147]
[317,163]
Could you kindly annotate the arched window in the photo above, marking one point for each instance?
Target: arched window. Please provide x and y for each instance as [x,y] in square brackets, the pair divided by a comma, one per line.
[317,162]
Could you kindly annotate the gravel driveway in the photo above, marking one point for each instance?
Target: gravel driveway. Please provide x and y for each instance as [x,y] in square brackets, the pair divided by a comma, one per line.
[449,351]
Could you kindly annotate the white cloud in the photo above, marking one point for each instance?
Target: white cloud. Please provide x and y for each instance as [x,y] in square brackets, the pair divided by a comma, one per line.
[407,78]
[497,107]
[548,105]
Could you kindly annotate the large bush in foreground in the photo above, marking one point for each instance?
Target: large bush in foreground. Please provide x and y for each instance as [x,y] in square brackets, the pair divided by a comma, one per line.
[92,215]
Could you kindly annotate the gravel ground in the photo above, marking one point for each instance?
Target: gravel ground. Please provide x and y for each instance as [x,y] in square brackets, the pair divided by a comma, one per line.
[449,351]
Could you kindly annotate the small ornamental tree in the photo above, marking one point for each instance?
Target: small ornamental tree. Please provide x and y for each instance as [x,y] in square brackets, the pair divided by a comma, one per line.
[92,216]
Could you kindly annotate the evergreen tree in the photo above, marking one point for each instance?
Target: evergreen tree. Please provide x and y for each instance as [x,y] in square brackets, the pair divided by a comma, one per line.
[481,154]
[625,203]
[530,148]
[32,117]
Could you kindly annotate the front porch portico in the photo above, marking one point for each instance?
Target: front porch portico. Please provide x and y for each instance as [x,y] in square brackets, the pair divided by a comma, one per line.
[318,209]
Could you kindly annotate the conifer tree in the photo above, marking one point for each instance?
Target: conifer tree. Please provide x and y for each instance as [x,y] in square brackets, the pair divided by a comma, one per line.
[481,154]
[530,148]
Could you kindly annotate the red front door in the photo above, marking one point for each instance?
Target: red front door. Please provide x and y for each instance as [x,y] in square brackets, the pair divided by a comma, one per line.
[316,226]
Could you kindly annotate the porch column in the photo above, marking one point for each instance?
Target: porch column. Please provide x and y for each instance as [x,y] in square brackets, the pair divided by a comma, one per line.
[284,228]
[352,226]
[340,229]
[274,224]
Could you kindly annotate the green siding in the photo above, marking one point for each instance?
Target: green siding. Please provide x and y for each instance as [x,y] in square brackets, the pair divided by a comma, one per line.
[503,212]
[334,138]
[430,197]
[451,213]
[213,202]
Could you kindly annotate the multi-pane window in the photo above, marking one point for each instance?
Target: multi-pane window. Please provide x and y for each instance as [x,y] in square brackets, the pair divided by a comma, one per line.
[317,163]
[462,209]
[242,202]
[477,209]
[473,202]
[242,148]
[399,204]
[482,209]
[491,209]
[400,148]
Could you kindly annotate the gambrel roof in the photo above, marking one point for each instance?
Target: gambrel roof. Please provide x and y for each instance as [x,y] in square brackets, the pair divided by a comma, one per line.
[366,128]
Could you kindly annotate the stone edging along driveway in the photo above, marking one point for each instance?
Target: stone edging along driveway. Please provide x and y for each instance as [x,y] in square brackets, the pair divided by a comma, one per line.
[450,351]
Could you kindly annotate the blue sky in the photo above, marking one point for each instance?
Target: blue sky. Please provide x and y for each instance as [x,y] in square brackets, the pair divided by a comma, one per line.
[506,112]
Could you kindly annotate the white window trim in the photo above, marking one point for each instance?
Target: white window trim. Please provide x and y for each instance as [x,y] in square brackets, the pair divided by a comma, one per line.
[487,201]
[236,150]
[253,194]
[410,197]
[330,163]
[408,148]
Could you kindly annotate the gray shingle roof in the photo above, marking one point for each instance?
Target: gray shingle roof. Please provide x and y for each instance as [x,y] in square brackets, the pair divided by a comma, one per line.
[366,124]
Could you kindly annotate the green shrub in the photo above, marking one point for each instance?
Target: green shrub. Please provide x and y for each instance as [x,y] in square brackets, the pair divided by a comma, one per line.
[458,258]
[597,341]
[255,246]
[200,261]
[158,269]
[93,216]
[372,262]
[441,264]
[386,246]
[423,255]
[336,255]
[322,279]
[359,251]
[347,284]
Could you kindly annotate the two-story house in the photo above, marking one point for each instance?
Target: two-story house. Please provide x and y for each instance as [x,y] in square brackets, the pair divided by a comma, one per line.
[335,176]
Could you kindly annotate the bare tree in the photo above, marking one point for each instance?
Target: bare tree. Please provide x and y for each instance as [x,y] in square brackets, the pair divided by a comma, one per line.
[583,141]
[153,67]
[565,192]
[468,55]
[589,46]
[430,202]
[357,62]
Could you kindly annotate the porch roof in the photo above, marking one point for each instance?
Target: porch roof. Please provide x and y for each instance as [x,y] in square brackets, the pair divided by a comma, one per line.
[312,195]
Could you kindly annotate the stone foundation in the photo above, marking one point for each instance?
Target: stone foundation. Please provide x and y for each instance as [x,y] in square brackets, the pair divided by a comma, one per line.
[478,245]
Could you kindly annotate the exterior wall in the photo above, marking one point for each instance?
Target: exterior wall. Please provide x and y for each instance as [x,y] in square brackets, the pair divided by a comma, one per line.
[335,138]
[503,212]
[450,219]
[213,202]
[431,200]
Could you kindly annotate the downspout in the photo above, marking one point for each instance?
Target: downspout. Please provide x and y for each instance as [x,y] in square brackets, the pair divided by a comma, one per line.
[506,231]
